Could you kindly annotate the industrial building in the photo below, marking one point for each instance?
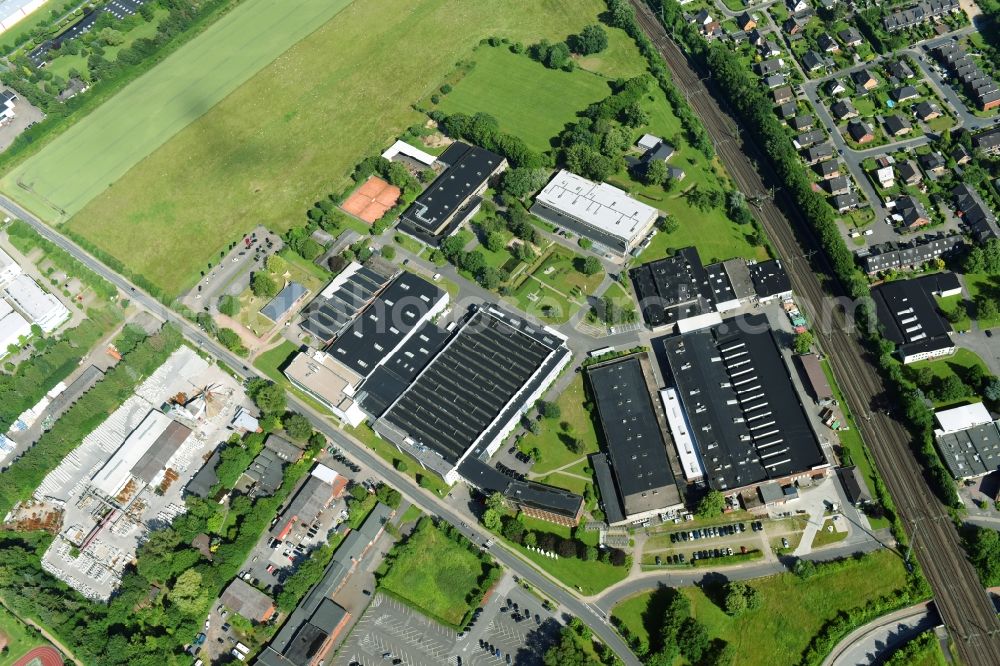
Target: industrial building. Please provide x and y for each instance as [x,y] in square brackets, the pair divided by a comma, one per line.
[740,405]
[910,318]
[246,600]
[643,483]
[321,487]
[399,312]
[455,195]
[680,291]
[537,500]
[339,303]
[36,306]
[13,328]
[598,211]
[471,395]
[968,438]
[132,471]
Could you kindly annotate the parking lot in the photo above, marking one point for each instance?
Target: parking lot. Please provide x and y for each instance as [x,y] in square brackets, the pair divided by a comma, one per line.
[391,632]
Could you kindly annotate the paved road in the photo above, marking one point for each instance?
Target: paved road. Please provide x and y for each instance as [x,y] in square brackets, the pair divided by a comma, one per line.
[876,639]
[458,516]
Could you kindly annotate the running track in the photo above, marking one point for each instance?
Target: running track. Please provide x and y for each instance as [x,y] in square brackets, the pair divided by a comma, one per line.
[44,656]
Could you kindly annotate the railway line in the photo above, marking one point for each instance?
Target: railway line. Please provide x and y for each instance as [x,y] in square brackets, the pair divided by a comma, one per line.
[960,598]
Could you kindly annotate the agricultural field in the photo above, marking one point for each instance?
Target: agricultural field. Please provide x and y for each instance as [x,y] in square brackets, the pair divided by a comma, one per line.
[817,600]
[502,83]
[434,574]
[92,155]
[271,147]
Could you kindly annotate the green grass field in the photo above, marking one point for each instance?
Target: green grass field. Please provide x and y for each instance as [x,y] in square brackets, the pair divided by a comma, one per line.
[20,638]
[978,283]
[287,136]
[528,99]
[953,303]
[771,634]
[956,364]
[93,154]
[433,574]
[551,438]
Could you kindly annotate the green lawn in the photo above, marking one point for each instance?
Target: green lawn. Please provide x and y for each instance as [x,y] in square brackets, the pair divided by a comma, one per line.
[825,537]
[272,360]
[434,574]
[270,148]
[956,364]
[102,147]
[792,612]
[953,303]
[586,577]
[978,283]
[528,99]
[551,437]
[620,58]
[20,638]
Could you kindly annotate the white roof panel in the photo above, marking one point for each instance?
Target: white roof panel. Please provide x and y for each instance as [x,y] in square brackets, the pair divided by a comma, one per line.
[600,205]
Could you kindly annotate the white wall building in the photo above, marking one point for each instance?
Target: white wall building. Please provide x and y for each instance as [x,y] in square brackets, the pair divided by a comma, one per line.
[12,327]
[35,304]
[601,212]
[9,269]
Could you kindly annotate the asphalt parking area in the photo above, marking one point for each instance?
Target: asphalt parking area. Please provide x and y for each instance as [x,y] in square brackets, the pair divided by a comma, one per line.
[390,628]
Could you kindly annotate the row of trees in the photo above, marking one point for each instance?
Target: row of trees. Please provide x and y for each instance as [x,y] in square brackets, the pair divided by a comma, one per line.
[592,39]
[25,238]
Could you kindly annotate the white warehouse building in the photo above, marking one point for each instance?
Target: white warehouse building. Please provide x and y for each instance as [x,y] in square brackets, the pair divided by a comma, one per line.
[598,211]
[35,304]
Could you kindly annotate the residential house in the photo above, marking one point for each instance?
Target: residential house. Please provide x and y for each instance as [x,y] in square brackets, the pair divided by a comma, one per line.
[917,252]
[897,125]
[818,153]
[850,37]
[844,202]
[864,79]
[794,26]
[926,111]
[835,87]
[908,172]
[812,61]
[885,176]
[976,216]
[770,49]
[828,44]
[769,67]
[827,169]
[661,153]
[703,18]
[988,141]
[960,154]
[838,185]
[755,37]
[746,22]
[905,93]
[782,95]
[932,163]
[859,132]
[913,213]
[787,110]
[843,110]
[919,13]
[774,81]
[801,123]
[899,70]
[796,6]
[807,139]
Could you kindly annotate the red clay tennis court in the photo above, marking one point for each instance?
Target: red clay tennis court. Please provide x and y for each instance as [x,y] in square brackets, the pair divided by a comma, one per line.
[370,201]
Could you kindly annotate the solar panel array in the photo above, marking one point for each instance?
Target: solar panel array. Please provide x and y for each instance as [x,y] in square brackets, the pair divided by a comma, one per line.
[327,317]
[467,385]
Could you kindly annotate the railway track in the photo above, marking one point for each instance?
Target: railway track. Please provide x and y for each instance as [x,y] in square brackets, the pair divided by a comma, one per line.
[960,598]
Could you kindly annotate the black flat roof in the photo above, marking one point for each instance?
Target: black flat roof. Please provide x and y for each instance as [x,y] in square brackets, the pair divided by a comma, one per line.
[673,288]
[636,448]
[910,316]
[769,278]
[544,497]
[389,318]
[614,512]
[463,390]
[392,377]
[325,317]
[468,168]
[745,416]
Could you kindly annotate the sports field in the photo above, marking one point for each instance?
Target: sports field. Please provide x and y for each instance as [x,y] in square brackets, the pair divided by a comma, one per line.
[97,151]
[293,132]
[528,99]
[18,638]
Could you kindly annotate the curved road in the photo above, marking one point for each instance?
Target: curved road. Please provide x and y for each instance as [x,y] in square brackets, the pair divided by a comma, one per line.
[427,502]
[959,595]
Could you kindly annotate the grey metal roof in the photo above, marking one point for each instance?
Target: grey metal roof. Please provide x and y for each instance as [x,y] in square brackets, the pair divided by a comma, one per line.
[284,301]
[971,452]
